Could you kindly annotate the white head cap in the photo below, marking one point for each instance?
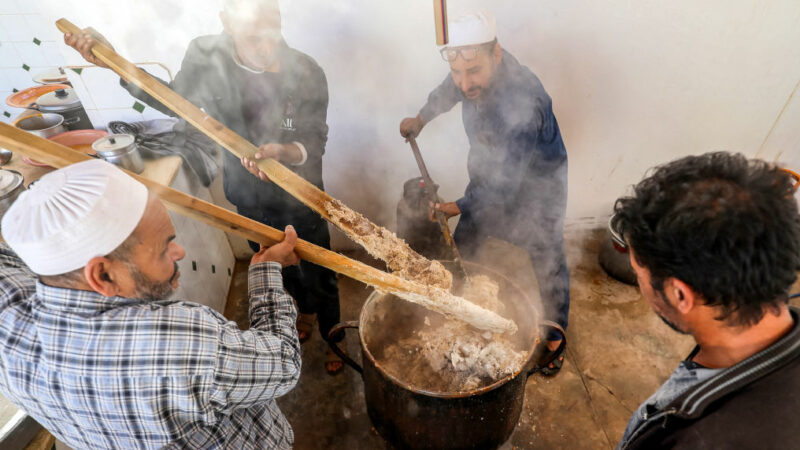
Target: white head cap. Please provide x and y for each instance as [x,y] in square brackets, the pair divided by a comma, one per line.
[73,215]
[248,9]
[472,28]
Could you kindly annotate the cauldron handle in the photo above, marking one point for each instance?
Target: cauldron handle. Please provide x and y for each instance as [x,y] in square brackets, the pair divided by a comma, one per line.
[538,366]
[338,328]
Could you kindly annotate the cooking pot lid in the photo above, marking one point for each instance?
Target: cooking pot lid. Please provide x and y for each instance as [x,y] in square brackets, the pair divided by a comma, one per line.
[9,180]
[113,142]
[59,99]
[56,75]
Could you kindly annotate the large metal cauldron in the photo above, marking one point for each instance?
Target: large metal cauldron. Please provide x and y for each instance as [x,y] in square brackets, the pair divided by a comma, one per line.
[415,417]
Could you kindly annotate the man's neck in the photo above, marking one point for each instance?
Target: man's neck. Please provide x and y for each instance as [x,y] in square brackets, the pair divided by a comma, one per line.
[724,346]
[273,68]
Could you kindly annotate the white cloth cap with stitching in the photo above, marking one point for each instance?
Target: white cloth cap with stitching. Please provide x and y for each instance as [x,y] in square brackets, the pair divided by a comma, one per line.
[472,28]
[73,215]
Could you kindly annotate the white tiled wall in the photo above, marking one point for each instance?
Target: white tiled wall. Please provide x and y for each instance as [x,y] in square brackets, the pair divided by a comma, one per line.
[29,45]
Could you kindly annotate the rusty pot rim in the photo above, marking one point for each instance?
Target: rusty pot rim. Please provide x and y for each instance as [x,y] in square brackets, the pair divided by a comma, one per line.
[526,366]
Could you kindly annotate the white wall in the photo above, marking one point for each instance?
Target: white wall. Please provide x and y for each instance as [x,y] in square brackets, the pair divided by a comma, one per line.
[634,84]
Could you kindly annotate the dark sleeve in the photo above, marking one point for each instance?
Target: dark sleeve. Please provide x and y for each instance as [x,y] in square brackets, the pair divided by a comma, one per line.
[534,148]
[187,82]
[441,99]
[312,115]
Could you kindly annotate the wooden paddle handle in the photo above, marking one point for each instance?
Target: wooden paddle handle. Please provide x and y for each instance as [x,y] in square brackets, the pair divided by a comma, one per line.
[58,156]
[440,21]
[294,184]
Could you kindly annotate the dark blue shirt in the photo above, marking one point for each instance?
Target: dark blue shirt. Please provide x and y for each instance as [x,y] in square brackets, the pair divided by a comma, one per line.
[513,136]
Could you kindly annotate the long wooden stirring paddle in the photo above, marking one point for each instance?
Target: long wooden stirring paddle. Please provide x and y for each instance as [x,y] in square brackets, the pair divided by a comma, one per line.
[295,185]
[58,156]
[439,215]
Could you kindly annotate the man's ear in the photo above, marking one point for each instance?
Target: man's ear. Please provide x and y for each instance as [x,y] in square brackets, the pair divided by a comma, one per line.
[683,297]
[497,53]
[223,17]
[99,277]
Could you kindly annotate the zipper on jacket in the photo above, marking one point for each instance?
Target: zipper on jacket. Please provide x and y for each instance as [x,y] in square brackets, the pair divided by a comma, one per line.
[647,420]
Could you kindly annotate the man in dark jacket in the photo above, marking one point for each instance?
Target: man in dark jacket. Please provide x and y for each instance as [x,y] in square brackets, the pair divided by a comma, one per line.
[715,243]
[277,98]
[517,162]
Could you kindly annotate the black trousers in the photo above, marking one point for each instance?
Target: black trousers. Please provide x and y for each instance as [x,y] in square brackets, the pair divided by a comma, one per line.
[313,287]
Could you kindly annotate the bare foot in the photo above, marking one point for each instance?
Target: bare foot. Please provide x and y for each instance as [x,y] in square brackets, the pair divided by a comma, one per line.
[553,346]
[333,364]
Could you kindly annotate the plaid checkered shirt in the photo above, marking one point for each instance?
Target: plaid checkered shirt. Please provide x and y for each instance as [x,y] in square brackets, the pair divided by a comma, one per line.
[101,372]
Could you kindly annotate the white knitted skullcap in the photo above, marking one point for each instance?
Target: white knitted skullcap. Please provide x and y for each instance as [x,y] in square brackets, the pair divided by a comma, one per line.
[72,215]
[472,28]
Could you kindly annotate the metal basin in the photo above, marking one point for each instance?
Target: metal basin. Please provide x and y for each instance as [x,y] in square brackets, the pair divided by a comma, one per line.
[414,417]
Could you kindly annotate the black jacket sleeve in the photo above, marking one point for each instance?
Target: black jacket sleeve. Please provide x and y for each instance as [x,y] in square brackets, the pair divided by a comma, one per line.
[187,81]
[312,113]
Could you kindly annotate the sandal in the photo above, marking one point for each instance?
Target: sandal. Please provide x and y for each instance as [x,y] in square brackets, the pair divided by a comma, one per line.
[556,358]
[332,358]
[305,325]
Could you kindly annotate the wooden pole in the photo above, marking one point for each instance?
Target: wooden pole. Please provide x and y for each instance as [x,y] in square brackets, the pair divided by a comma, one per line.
[440,19]
[295,185]
[58,156]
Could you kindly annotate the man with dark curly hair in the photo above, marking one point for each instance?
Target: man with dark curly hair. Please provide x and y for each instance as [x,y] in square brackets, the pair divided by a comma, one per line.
[715,243]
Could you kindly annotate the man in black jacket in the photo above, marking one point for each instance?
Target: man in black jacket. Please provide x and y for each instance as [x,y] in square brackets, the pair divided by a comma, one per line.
[715,243]
[277,98]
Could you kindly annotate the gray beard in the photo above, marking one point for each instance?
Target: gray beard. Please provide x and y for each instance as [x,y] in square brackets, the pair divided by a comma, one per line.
[148,289]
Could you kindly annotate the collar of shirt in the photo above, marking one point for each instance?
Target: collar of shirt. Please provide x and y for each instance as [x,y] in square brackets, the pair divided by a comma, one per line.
[80,301]
[240,64]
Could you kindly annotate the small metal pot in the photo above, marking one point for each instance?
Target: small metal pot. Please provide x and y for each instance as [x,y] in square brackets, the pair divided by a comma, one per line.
[11,185]
[121,150]
[614,257]
[66,103]
[44,125]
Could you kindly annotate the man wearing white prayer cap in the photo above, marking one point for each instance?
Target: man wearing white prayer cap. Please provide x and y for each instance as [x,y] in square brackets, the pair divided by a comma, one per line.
[101,359]
[517,161]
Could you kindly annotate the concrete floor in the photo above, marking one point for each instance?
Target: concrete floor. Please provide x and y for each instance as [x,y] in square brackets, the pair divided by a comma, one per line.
[619,352]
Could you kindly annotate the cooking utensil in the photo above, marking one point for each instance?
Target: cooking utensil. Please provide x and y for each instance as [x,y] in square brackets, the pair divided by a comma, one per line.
[80,140]
[411,416]
[52,76]
[59,156]
[5,156]
[26,97]
[795,176]
[43,125]
[440,217]
[121,150]
[295,185]
[614,256]
[440,21]
[11,185]
[66,103]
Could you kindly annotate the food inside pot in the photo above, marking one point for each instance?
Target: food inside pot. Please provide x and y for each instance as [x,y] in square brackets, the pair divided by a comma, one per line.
[428,352]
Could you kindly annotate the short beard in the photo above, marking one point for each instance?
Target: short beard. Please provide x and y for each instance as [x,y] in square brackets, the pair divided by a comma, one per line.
[147,289]
[671,325]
